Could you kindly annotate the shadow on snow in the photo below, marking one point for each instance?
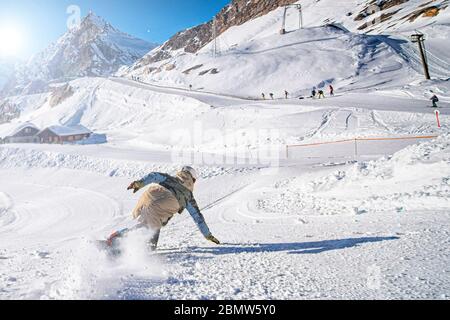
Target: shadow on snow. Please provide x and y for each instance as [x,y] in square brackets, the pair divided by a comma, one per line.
[291,248]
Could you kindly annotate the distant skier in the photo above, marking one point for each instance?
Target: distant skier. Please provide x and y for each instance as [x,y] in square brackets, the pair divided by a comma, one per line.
[264,96]
[435,100]
[271,96]
[313,93]
[321,94]
[190,87]
[286,94]
[166,196]
[331,91]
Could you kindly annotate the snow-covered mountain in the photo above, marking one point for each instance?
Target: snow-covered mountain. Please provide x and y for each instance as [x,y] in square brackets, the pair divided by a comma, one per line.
[342,43]
[6,71]
[95,48]
[368,16]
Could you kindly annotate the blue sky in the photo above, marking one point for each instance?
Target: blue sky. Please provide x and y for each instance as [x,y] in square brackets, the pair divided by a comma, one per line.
[41,22]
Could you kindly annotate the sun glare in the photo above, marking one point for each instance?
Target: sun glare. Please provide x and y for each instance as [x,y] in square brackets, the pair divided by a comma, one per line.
[10,41]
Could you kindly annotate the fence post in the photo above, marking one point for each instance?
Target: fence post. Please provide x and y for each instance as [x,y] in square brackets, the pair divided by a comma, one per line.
[356,149]
[437,118]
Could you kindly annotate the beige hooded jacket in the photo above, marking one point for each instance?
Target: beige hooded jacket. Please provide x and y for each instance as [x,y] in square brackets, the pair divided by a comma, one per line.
[159,204]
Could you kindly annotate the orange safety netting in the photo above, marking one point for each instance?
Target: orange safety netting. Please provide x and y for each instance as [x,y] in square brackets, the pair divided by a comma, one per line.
[355,140]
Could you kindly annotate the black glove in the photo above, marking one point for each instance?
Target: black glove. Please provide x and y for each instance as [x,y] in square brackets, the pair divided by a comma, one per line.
[212,239]
[136,186]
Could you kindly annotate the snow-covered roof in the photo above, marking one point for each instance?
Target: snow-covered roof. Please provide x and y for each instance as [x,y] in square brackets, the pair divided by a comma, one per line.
[13,130]
[68,131]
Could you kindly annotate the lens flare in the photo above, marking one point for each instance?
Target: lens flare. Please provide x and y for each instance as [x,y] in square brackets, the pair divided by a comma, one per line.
[10,41]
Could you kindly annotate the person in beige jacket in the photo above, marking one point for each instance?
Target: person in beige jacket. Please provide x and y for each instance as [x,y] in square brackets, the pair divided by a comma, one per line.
[165,197]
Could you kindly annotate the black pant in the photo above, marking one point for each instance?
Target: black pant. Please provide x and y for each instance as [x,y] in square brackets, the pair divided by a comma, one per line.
[153,242]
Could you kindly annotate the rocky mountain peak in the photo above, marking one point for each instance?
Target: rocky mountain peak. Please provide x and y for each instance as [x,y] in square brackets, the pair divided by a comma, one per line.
[95,48]
[191,40]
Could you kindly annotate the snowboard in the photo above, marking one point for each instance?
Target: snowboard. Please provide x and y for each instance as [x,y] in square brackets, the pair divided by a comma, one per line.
[112,251]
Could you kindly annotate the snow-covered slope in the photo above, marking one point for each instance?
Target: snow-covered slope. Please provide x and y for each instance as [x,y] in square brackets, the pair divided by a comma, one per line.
[103,105]
[139,115]
[377,17]
[378,230]
[95,48]
[397,18]
[259,61]
[254,57]
[365,16]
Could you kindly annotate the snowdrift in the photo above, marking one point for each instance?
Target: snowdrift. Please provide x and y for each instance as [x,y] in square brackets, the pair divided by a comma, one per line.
[416,178]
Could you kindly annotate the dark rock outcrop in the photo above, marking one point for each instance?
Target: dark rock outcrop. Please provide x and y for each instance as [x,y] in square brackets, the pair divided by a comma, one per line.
[191,40]
[8,111]
[60,94]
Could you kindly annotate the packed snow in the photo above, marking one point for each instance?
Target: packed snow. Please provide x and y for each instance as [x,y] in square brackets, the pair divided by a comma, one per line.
[309,221]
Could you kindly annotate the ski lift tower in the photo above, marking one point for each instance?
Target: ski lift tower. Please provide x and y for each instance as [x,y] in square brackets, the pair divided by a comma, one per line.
[419,38]
[300,16]
[215,47]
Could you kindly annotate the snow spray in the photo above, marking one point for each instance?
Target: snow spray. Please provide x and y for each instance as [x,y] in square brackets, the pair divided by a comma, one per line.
[91,273]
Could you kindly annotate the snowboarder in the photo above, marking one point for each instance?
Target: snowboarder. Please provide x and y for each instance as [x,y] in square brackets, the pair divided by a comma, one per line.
[331,90]
[166,196]
[313,93]
[435,100]
[264,96]
[321,94]
[286,94]
[271,96]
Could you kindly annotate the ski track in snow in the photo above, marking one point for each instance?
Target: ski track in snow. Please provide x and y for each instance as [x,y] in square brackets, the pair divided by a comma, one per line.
[308,258]
[325,224]
[56,199]
[296,233]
